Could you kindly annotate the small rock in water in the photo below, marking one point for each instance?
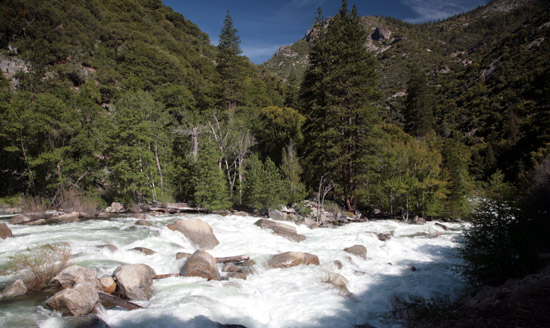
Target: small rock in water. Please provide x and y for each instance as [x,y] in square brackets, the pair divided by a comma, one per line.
[110,247]
[411,267]
[197,231]
[358,250]
[290,259]
[384,236]
[5,231]
[338,264]
[201,264]
[144,250]
[144,223]
[108,284]
[16,288]
[134,281]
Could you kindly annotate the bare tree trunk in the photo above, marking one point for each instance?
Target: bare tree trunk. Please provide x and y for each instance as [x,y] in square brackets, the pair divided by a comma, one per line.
[158,167]
[118,301]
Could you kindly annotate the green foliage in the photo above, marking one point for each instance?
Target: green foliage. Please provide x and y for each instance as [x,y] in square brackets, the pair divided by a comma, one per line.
[264,185]
[292,171]
[418,115]
[336,98]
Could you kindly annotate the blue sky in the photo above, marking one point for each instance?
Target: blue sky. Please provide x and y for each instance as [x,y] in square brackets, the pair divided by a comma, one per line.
[264,26]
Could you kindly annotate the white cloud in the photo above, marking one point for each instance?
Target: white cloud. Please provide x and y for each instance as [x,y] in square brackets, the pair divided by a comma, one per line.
[431,10]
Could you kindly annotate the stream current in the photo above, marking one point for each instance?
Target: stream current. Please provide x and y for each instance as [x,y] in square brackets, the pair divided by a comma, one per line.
[293,297]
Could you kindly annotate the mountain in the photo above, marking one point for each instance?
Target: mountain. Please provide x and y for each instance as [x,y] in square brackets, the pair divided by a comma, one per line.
[485,69]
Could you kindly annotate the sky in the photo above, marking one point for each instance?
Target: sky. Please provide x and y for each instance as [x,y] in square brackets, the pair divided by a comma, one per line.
[264,26]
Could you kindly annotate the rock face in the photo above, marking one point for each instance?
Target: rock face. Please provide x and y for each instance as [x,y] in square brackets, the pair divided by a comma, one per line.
[134,281]
[115,207]
[19,219]
[16,288]
[280,229]
[358,250]
[5,231]
[108,284]
[79,300]
[201,264]
[290,259]
[197,231]
[381,33]
[73,275]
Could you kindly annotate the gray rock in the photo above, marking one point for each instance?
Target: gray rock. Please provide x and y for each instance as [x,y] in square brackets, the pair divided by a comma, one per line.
[197,231]
[384,236]
[277,215]
[290,259]
[201,264]
[66,218]
[19,219]
[134,281]
[5,231]
[182,255]
[280,229]
[115,207]
[79,300]
[358,250]
[381,33]
[230,267]
[110,247]
[35,222]
[145,223]
[16,288]
[73,275]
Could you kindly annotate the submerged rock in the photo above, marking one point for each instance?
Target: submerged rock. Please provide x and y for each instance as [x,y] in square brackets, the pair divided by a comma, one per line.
[201,264]
[358,250]
[73,275]
[110,247]
[290,259]
[5,231]
[16,288]
[280,229]
[79,300]
[197,231]
[134,281]
[144,250]
[145,223]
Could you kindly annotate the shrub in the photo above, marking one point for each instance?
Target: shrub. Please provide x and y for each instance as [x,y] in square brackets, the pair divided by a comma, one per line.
[34,204]
[418,311]
[38,266]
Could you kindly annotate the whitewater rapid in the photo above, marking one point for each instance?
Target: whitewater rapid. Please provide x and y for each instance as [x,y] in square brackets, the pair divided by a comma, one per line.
[293,297]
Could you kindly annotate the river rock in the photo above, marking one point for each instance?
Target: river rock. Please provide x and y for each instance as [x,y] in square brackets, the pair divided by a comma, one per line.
[66,218]
[115,207]
[197,231]
[108,284]
[201,264]
[144,250]
[19,219]
[230,267]
[384,236]
[35,222]
[134,281]
[73,275]
[5,231]
[290,259]
[358,250]
[182,255]
[277,215]
[144,223]
[16,288]
[110,247]
[79,300]
[442,226]
[280,229]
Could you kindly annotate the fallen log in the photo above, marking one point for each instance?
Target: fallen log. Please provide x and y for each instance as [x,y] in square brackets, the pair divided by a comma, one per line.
[168,275]
[239,258]
[118,301]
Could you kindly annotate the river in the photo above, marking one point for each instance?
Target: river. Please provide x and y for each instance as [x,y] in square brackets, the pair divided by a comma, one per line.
[293,297]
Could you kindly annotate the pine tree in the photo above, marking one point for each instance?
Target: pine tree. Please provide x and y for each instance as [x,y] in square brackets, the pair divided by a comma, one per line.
[419,117]
[229,64]
[337,94]
[292,171]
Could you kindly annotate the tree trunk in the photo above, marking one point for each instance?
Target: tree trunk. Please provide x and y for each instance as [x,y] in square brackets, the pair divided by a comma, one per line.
[158,167]
[118,301]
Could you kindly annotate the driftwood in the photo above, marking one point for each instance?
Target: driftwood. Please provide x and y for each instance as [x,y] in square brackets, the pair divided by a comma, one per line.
[118,301]
[168,275]
[239,258]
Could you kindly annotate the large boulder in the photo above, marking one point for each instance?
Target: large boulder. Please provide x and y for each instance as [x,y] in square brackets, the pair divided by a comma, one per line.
[358,250]
[5,231]
[280,229]
[115,207]
[197,231]
[134,281]
[183,255]
[73,275]
[19,219]
[381,33]
[79,300]
[201,264]
[290,259]
[16,288]
[277,215]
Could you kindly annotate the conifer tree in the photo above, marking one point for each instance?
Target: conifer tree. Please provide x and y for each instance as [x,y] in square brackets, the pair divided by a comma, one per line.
[419,117]
[337,94]
[229,63]
[292,171]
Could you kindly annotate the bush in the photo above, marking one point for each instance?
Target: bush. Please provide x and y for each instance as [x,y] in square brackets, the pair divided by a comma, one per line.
[37,266]
[415,310]
[34,204]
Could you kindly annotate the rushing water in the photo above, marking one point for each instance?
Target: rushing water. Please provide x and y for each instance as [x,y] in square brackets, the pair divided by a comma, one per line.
[294,297]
